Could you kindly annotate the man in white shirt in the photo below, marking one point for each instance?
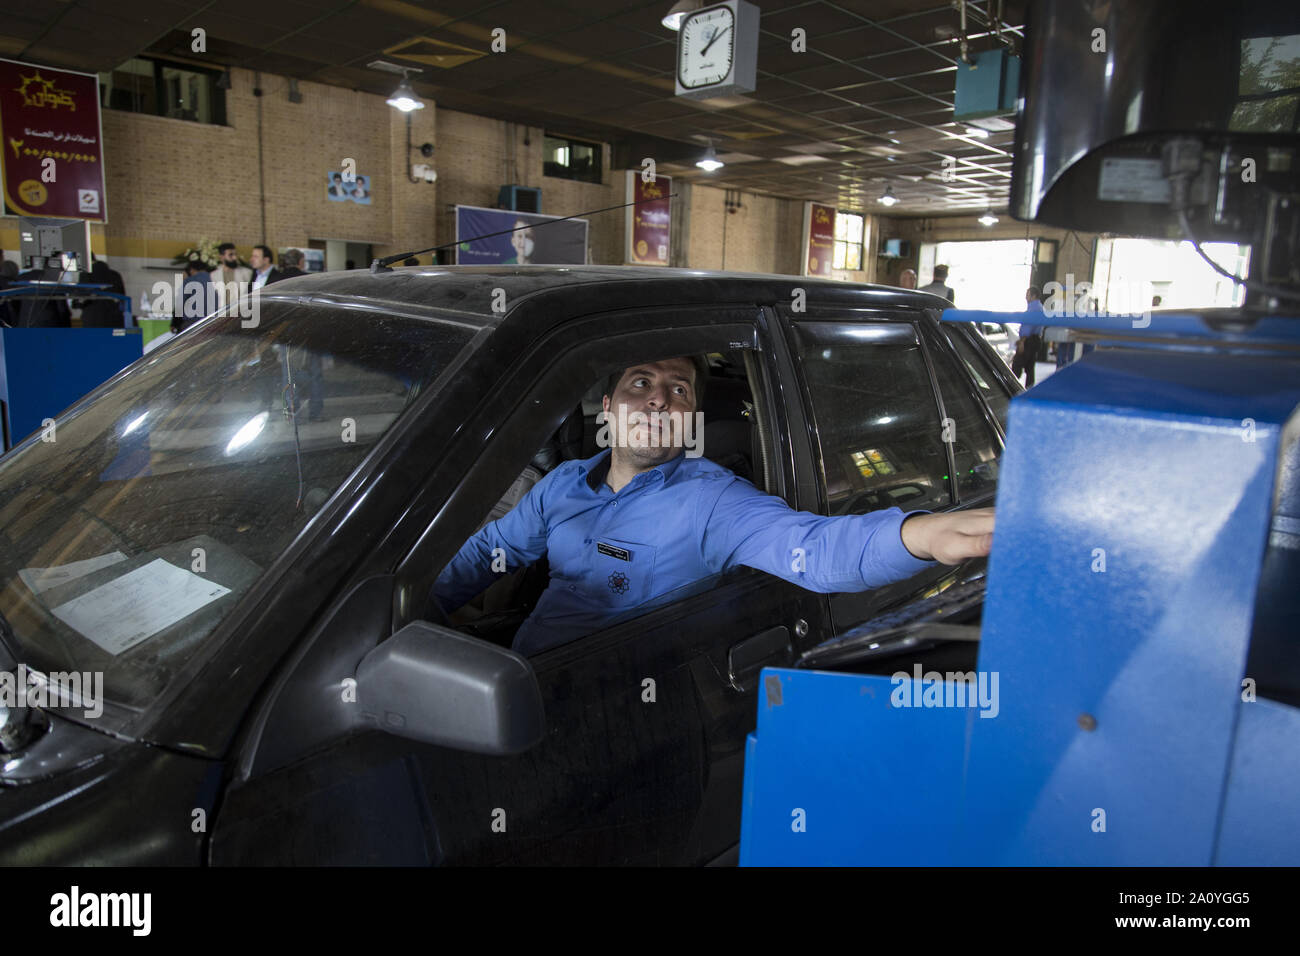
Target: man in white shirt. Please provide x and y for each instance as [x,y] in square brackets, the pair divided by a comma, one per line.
[229,279]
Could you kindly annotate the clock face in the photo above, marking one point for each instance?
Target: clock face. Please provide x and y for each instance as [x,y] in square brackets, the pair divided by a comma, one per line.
[706,47]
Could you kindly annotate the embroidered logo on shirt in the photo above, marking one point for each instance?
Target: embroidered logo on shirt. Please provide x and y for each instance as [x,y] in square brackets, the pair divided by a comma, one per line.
[613,552]
[619,583]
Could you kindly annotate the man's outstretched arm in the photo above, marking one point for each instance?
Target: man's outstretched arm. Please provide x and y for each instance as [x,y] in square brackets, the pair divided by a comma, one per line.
[846,553]
[520,536]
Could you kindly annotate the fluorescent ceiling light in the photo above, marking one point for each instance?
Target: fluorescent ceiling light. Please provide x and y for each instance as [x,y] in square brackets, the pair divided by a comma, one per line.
[988,219]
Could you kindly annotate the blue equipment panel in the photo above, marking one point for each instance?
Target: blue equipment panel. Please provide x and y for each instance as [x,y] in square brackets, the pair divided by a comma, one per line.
[43,371]
[1134,508]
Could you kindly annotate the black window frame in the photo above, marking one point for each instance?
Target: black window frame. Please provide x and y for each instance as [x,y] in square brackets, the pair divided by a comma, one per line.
[932,338]
[556,171]
[538,415]
[216,93]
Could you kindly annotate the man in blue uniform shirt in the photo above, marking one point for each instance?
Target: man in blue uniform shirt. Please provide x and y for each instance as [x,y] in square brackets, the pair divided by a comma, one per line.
[642,518]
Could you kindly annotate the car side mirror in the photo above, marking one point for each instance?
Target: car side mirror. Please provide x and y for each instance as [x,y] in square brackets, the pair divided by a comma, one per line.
[438,686]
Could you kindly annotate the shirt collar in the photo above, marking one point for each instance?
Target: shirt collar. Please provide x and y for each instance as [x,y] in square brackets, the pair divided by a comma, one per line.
[593,471]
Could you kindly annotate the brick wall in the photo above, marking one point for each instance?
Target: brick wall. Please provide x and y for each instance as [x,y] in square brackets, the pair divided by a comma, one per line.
[171,182]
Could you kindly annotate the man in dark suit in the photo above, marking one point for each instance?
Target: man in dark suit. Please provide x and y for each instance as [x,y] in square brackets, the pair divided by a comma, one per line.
[291,264]
[264,272]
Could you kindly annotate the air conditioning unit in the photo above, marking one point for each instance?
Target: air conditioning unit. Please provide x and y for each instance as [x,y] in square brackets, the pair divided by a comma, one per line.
[520,198]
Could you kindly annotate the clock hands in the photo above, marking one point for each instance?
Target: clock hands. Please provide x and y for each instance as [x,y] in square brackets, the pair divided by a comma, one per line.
[714,39]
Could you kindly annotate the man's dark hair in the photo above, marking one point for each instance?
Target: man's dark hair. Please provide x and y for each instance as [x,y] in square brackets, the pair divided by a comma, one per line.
[267,254]
[194,265]
[701,363]
[411,261]
[940,273]
[221,249]
[1035,292]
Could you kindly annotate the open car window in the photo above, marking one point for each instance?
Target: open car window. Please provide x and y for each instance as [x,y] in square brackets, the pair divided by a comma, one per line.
[729,438]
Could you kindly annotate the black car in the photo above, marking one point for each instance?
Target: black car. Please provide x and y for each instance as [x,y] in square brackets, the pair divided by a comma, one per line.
[238,534]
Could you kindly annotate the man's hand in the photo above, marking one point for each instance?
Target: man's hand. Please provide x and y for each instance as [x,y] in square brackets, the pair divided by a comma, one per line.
[950,538]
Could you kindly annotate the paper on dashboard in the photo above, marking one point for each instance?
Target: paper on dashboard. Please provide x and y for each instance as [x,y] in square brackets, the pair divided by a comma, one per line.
[127,610]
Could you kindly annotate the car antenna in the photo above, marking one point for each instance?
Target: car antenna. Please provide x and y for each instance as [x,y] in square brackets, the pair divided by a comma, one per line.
[382,265]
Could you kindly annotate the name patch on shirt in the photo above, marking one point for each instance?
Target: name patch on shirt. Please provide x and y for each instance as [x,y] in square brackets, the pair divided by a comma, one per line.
[613,552]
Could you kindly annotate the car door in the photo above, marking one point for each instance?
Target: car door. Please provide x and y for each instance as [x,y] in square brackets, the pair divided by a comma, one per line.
[642,757]
[876,427]
[642,761]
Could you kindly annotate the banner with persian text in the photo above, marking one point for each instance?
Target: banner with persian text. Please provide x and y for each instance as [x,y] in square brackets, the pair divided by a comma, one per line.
[51,143]
[648,222]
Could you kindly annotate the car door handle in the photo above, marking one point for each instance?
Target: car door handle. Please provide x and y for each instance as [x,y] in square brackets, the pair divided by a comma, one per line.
[748,657]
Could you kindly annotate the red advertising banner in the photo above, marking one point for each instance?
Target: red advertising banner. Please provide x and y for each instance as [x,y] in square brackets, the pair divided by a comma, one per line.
[648,223]
[52,160]
[821,240]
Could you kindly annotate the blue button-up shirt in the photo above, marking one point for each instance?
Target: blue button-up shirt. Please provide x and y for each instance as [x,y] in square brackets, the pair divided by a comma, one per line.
[1026,330]
[667,528]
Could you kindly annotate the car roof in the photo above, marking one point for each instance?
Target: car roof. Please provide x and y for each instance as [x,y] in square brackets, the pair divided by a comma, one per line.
[469,291]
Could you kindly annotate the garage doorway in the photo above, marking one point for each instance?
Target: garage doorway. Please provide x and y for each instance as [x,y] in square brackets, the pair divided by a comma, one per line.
[1127,273]
[983,274]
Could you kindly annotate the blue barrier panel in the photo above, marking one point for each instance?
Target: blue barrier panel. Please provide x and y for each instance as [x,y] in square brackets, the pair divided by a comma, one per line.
[43,371]
[1135,504]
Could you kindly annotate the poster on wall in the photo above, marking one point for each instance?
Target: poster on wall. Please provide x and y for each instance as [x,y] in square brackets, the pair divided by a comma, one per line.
[647,238]
[356,190]
[53,158]
[819,239]
[534,239]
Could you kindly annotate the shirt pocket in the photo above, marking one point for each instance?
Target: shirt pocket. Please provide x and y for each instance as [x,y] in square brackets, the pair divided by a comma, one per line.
[622,573]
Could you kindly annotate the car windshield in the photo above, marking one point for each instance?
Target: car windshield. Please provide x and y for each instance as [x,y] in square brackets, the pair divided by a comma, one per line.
[133,525]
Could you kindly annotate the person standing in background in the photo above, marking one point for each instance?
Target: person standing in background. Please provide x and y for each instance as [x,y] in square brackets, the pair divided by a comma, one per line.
[264,271]
[103,313]
[291,265]
[230,278]
[907,279]
[1031,337]
[940,285]
[228,269]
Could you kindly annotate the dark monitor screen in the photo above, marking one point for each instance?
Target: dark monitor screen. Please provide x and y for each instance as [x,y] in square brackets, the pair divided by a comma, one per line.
[1106,87]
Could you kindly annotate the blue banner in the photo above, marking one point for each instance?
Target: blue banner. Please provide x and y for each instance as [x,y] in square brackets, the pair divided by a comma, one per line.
[536,239]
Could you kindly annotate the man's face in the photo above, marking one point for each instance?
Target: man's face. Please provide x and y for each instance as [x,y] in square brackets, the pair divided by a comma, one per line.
[666,387]
[257,261]
[230,258]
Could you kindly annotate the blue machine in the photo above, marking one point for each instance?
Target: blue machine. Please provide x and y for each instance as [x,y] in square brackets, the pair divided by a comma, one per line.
[43,371]
[1138,675]
[1114,720]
